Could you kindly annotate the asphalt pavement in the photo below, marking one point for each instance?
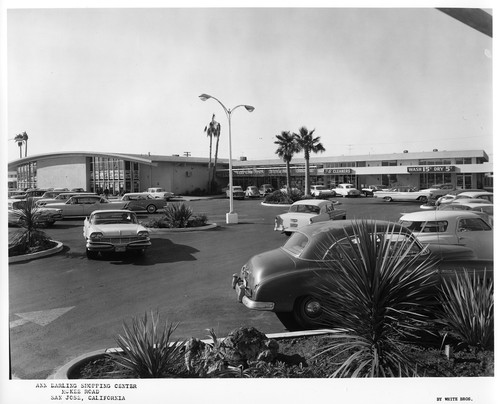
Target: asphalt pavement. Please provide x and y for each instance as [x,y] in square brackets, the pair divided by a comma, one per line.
[65,305]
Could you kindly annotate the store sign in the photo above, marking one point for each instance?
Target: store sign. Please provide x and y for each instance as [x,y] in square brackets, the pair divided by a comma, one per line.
[248,173]
[432,169]
[337,171]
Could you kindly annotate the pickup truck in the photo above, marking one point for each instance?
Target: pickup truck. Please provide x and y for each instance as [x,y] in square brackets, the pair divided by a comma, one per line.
[160,193]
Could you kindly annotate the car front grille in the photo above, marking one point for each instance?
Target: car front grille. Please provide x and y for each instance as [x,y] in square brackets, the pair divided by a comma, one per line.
[120,240]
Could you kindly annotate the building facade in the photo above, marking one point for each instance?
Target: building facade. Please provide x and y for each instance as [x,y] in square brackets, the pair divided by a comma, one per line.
[120,173]
[464,169]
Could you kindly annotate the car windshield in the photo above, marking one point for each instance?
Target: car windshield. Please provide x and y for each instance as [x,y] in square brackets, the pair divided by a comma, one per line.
[114,218]
[305,208]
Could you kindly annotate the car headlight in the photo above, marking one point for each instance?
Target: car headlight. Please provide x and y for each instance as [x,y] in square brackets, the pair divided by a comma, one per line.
[143,234]
[96,235]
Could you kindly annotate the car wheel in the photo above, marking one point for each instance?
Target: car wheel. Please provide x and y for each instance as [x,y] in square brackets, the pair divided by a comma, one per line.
[288,233]
[388,199]
[141,252]
[422,199]
[288,320]
[92,255]
[151,208]
[307,312]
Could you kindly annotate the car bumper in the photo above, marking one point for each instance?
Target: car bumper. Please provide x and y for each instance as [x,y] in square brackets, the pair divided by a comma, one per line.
[96,246]
[240,289]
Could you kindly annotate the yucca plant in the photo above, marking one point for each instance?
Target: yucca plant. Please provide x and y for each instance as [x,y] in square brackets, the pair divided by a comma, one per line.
[30,238]
[178,214]
[147,348]
[378,294]
[467,309]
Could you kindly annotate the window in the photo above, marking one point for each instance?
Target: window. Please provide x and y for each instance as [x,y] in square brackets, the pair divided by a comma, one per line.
[438,226]
[389,163]
[472,225]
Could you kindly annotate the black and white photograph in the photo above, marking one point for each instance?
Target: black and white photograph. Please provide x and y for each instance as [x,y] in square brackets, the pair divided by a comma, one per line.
[239,201]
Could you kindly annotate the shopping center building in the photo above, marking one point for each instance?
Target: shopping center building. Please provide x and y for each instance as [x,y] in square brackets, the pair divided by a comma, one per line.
[96,171]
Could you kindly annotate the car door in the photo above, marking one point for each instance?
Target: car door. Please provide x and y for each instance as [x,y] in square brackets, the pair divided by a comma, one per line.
[73,207]
[476,234]
[89,204]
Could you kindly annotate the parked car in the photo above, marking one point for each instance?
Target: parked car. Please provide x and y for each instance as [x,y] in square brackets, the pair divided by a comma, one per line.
[403,194]
[35,193]
[347,190]
[452,227]
[41,216]
[160,193]
[479,206]
[62,197]
[288,280]
[238,192]
[487,196]
[83,205]
[319,191]
[252,192]
[265,189]
[114,230]
[370,189]
[307,211]
[438,190]
[450,196]
[141,201]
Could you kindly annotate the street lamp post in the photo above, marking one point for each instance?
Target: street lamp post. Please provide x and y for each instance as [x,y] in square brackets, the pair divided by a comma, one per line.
[231,217]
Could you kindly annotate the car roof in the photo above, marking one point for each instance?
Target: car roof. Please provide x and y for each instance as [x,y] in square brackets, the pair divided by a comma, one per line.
[314,202]
[473,193]
[341,227]
[111,211]
[437,215]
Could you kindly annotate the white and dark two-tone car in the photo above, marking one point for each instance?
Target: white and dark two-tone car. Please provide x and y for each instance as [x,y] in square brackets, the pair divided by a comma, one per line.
[307,211]
[83,204]
[114,231]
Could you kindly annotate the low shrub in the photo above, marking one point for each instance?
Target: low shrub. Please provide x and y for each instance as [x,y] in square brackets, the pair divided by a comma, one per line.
[147,349]
[378,294]
[280,197]
[467,310]
[177,215]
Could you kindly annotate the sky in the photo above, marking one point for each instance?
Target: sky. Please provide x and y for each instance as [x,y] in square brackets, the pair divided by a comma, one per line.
[127,80]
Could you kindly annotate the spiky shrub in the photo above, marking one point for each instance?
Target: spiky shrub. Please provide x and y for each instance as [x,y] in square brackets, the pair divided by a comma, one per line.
[30,238]
[379,287]
[177,214]
[467,309]
[147,348]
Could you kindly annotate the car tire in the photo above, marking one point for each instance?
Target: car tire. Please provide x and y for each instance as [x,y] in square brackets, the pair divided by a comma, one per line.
[151,209]
[388,199]
[308,312]
[92,255]
[422,199]
[288,320]
[141,252]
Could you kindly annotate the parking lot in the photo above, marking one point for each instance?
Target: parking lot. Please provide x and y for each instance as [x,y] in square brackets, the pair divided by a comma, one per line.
[65,305]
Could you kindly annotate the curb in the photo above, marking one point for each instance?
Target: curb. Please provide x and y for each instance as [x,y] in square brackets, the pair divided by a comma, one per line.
[155,230]
[39,254]
[63,372]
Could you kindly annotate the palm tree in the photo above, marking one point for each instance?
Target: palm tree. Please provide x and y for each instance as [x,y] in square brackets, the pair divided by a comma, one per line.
[212,130]
[25,140]
[308,144]
[19,139]
[287,147]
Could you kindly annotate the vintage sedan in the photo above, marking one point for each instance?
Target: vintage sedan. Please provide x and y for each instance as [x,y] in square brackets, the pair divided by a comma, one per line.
[403,194]
[238,192]
[61,197]
[368,190]
[346,190]
[307,211]
[252,192]
[320,191]
[143,201]
[83,205]
[114,230]
[452,227]
[478,206]
[41,216]
[288,280]
[451,196]
[265,189]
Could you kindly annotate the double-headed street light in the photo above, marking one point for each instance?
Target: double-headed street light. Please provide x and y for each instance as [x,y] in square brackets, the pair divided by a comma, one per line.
[231,217]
